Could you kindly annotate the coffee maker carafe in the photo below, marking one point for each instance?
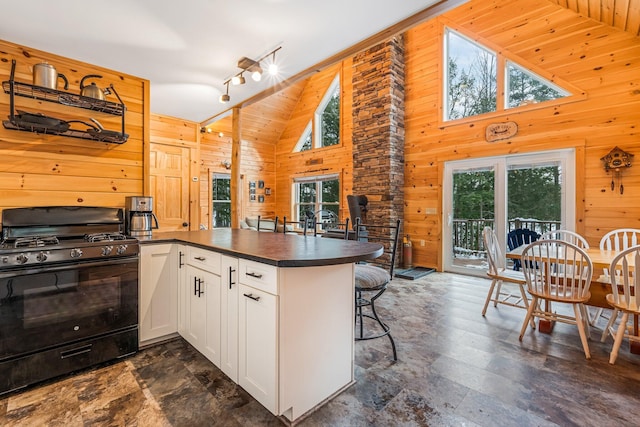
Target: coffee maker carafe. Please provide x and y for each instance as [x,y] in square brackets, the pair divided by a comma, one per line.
[139,216]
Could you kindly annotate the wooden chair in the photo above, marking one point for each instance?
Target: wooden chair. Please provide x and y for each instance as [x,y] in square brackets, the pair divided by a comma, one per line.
[374,276]
[567,236]
[616,241]
[546,282]
[499,274]
[623,297]
[519,237]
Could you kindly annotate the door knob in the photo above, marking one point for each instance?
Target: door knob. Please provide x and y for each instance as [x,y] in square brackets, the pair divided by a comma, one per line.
[185,224]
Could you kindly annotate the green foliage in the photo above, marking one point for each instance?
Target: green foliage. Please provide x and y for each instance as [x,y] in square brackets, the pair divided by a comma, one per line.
[331,121]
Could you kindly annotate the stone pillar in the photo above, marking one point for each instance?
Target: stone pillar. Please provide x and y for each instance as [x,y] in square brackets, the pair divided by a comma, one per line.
[378,130]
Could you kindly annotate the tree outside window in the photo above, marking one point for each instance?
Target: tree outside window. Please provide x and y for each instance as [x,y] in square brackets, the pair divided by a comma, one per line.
[221,196]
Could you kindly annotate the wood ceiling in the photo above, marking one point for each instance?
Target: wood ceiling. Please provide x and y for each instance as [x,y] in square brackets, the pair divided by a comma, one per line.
[621,14]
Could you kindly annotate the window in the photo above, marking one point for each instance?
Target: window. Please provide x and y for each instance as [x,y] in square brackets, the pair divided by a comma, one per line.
[472,79]
[526,88]
[315,194]
[471,86]
[221,196]
[324,129]
[328,115]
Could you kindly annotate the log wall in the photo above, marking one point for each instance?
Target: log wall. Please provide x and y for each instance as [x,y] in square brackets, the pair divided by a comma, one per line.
[39,170]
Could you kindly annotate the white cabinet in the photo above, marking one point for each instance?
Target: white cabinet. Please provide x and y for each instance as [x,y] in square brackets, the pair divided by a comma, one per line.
[229,318]
[158,298]
[202,302]
[257,349]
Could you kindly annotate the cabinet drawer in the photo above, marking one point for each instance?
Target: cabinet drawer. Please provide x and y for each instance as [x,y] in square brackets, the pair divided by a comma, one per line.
[260,276]
[204,259]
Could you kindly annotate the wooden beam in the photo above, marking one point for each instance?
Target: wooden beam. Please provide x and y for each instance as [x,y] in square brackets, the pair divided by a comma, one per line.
[236,179]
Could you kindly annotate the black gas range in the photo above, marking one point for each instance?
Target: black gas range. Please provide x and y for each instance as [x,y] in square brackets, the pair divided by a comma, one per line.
[68,292]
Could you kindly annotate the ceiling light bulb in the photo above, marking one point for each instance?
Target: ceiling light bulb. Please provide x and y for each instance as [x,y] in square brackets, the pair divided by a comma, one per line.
[224,98]
[237,80]
[256,75]
[273,69]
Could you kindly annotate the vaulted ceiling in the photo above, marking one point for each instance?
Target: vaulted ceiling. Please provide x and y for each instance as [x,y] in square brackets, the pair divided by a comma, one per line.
[621,14]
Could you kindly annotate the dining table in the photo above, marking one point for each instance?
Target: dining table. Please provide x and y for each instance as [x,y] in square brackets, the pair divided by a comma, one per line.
[599,289]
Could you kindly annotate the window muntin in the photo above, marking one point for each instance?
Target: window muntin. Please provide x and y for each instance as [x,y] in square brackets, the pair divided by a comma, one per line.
[305,142]
[471,78]
[221,201]
[525,87]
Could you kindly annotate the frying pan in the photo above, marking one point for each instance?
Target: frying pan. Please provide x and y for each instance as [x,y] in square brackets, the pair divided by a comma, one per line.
[39,122]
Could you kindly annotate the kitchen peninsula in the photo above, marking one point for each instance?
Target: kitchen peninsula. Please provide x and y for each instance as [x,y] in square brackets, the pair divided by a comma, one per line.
[273,311]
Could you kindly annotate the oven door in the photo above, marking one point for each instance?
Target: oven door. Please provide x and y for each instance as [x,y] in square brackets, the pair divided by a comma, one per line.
[55,305]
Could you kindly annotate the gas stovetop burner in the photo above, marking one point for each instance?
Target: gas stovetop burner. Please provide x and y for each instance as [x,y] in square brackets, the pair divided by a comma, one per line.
[102,237]
[35,241]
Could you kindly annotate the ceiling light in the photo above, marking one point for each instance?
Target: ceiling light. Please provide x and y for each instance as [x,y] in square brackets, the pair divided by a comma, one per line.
[256,75]
[238,80]
[273,67]
[224,98]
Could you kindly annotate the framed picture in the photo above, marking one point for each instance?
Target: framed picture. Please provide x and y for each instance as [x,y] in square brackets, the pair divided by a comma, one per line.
[252,184]
[261,199]
[252,191]
[260,184]
[252,197]
[267,191]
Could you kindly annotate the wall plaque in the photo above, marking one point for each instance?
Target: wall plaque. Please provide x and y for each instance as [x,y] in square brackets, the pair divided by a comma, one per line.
[498,131]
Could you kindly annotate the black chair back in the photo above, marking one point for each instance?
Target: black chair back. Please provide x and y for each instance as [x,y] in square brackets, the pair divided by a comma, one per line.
[519,237]
[387,236]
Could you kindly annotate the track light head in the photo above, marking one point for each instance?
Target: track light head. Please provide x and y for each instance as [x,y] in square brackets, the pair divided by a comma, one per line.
[224,98]
[238,80]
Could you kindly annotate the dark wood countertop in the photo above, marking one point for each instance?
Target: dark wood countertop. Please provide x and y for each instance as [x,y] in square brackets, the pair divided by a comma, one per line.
[279,249]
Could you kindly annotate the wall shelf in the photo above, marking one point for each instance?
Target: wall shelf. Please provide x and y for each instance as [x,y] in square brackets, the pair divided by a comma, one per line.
[64,98]
[14,88]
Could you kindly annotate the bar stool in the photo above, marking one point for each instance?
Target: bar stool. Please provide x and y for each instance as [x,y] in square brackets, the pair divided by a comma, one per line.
[373,277]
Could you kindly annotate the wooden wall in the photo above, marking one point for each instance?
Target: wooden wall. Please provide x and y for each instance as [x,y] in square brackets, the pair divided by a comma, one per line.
[335,159]
[39,170]
[602,61]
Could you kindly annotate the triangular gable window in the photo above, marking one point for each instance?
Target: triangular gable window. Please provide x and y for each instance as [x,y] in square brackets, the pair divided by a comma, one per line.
[324,129]
[526,87]
[305,141]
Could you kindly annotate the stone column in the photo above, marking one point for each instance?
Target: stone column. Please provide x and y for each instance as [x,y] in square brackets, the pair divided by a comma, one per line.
[378,130]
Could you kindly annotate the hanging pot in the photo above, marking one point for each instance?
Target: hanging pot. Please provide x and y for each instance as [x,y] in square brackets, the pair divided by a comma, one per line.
[45,75]
[39,122]
[92,90]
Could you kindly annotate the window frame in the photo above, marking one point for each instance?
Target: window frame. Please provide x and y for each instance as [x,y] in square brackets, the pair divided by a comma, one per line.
[214,177]
[318,203]
[322,106]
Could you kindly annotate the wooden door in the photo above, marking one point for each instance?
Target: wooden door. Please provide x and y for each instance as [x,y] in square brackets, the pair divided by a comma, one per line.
[169,185]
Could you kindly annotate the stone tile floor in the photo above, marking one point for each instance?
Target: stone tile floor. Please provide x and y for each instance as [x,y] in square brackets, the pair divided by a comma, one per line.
[455,368]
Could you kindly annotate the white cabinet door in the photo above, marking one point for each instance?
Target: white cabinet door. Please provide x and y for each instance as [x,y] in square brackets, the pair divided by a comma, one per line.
[183,294]
[158,291]
[229,318]
[202,327]
[257,370]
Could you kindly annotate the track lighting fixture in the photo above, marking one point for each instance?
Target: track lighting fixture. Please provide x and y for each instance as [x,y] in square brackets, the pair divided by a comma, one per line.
[254,68]
[225,97]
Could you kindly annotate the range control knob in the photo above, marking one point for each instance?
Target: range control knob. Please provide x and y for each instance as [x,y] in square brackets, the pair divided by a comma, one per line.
[121,249]
[22,258]
[107,250]
[76,253]
[41,257]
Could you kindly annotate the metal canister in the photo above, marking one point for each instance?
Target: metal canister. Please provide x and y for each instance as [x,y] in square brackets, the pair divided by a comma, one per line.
[45,75]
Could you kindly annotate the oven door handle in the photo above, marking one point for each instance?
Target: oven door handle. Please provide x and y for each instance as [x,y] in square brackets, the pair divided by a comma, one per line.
[66,266]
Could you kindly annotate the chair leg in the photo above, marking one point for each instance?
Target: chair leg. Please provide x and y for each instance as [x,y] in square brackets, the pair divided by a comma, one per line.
[496,297]
[580,322]
[384,326]
[596,315]
[525,302]
[619,336]
[489,294]
[532,305]
[614,316]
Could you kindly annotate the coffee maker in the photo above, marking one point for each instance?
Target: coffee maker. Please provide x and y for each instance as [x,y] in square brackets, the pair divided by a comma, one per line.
[139,216]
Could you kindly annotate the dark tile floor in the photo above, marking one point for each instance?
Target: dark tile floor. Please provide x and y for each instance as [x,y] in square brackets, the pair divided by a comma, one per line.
[455,368]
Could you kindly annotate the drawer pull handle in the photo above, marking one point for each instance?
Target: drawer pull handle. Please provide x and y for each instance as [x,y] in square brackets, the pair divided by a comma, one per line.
[255,275]
[200,258]
[76,351]
[252,297]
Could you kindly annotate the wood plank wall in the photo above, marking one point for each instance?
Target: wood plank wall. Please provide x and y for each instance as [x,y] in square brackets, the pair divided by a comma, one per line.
[335,159]
[39,170]
[602,61]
